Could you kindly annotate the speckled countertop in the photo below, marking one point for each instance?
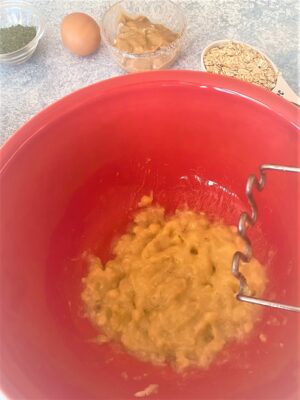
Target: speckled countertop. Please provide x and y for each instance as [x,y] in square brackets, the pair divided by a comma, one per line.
[52,72]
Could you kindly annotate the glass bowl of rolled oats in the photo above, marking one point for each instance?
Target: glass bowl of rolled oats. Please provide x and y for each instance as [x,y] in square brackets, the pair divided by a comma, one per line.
[239,60]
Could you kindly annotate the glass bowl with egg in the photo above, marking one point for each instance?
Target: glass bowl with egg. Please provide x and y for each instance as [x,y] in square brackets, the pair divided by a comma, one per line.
[144,34]
[26,29]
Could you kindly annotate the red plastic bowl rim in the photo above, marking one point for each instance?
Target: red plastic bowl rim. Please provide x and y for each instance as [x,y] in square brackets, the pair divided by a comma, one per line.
[100,89]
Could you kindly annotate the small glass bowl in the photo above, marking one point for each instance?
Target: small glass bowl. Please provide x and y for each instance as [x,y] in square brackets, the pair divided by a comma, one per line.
[163,12]
[15,13]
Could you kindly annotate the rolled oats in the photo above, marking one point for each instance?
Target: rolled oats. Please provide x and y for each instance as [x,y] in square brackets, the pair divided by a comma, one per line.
[242,62]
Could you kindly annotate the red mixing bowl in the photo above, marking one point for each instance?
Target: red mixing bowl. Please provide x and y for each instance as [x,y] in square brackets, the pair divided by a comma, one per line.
[71,179]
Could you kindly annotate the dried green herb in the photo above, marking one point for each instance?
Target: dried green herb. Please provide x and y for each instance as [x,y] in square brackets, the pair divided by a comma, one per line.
[15,37]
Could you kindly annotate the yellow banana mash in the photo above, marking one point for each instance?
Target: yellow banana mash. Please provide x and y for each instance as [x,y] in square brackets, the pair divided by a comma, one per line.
[168,294]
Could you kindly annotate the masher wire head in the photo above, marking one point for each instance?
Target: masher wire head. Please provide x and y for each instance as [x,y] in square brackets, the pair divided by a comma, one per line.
[245,220]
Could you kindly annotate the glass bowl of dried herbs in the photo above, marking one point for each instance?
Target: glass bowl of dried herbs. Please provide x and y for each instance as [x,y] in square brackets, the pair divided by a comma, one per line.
[21,28]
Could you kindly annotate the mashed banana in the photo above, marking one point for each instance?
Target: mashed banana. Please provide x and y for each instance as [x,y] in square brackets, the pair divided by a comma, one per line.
[168,294]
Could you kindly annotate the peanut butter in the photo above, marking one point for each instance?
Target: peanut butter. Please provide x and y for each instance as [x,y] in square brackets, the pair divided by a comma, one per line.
[138,35]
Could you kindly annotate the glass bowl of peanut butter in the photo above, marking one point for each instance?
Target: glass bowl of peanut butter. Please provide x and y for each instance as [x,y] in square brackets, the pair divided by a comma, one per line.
[144,34]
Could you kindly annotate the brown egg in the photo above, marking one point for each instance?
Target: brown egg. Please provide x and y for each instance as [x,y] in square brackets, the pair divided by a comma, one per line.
[80,33]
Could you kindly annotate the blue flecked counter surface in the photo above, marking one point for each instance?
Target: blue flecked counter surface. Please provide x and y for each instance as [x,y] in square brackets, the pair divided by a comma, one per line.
[52,72]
